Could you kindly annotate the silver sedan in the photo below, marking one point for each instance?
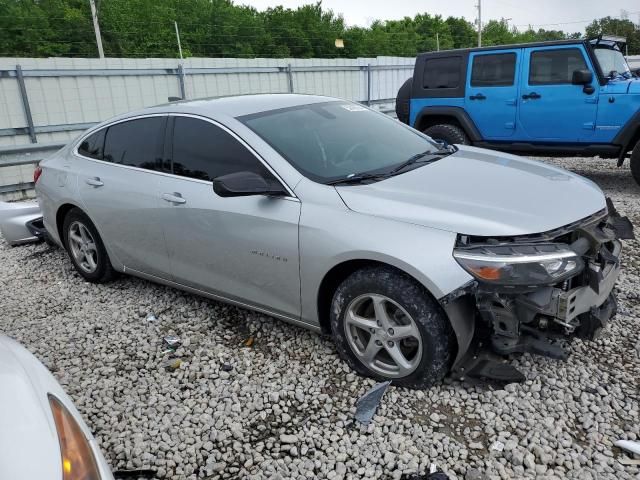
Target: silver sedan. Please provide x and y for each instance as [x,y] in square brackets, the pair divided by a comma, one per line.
[420,258]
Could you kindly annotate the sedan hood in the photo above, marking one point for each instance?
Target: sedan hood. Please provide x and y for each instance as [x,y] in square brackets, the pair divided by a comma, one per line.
[29,445]
[480,192]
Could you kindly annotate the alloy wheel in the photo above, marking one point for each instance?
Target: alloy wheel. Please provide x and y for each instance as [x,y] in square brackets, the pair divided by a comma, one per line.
[83,247]
[383,335]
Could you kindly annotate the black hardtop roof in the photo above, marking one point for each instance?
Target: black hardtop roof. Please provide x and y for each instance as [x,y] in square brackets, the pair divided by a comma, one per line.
[549,43]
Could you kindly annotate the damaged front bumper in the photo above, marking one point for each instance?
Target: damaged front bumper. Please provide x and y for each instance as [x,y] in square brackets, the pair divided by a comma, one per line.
[493,321]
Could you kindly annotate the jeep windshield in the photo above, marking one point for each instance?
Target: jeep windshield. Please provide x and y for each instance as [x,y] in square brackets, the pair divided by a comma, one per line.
[337,142]
[612,62]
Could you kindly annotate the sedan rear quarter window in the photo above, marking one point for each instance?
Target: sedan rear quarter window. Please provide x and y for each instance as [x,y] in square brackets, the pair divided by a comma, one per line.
[93,145]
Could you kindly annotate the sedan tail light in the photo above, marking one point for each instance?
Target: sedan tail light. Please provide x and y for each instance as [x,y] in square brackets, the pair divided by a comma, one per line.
[36,174]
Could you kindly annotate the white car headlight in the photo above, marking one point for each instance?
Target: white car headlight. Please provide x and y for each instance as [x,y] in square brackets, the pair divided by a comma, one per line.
[520,265]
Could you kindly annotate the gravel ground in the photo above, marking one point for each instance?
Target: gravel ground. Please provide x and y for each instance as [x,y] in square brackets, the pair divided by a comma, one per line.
[285,407]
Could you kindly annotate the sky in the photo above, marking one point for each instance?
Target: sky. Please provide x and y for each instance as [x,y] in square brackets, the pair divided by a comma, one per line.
[573,15]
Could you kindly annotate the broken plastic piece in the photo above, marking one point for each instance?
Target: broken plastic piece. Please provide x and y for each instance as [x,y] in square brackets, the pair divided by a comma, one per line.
[152,318]
[227,367]
[172,341]
[628,445]
[367,404]
[137,473]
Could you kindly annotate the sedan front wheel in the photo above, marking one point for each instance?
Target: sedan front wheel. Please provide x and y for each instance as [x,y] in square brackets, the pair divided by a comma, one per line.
[387,326]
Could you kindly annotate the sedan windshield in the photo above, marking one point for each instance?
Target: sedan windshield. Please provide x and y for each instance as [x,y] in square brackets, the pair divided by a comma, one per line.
[612,62]
[331,141]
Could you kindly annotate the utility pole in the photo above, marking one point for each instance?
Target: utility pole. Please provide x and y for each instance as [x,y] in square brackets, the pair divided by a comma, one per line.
[178,37]
[437,41]
[479,6]
[96,28]
[183,83]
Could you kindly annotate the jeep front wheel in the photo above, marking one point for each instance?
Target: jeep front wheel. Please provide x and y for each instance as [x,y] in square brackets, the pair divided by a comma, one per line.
[446,132]
[635,163]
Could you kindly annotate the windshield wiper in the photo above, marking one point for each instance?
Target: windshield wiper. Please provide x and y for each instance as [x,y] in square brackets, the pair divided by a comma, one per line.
[433,155]
[357,178]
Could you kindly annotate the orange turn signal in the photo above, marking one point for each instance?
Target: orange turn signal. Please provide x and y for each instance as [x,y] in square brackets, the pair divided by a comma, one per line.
[78,462]
[487,273]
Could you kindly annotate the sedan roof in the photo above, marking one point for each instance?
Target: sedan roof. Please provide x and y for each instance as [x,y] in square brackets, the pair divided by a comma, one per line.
[238,105]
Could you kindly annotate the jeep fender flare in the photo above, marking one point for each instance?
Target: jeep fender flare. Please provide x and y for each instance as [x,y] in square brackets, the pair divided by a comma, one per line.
[628,136]
[458,113]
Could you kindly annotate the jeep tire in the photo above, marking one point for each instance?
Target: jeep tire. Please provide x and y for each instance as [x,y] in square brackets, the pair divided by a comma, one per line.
[387,326]
[635,163]
[451,134]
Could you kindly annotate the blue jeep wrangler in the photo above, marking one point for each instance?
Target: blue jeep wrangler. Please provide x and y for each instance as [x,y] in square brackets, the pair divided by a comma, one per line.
[561,98]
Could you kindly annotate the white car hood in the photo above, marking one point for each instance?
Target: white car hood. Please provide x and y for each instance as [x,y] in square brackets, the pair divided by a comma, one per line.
[29,445]
[480,192]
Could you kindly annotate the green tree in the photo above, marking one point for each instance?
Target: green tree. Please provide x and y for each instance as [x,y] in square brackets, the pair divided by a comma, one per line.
[616,26]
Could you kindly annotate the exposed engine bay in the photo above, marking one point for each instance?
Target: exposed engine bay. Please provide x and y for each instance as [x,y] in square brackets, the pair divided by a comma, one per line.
[535,293]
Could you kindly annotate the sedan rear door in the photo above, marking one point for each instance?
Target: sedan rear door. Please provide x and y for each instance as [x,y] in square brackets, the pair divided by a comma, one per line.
[244,249]
[118,185]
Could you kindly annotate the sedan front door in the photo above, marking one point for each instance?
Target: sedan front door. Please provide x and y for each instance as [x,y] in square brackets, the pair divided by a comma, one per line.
[244,249]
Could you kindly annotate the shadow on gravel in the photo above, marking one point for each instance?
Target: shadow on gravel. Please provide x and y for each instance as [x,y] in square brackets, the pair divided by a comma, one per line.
[619,180]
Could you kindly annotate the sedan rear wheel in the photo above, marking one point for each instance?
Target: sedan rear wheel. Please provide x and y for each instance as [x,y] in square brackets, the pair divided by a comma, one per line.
[85,248]
[387,326]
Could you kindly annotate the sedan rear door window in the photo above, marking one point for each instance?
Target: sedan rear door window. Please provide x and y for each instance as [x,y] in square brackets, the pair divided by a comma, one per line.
[136,143]
[203,151]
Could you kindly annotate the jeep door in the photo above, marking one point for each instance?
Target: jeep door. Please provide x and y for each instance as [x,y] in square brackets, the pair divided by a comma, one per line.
[241,248]
[492,93]
[551,107]
[117,170]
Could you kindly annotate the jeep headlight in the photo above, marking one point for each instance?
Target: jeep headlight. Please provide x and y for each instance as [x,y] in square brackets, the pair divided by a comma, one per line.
[520,265]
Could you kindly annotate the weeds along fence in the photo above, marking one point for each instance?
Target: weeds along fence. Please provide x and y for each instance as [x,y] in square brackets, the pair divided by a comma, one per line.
[44,103]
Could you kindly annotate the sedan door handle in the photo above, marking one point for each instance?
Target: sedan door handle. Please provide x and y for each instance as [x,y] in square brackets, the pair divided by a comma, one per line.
[477,96]
[94,182]
[531,96]
[174,197]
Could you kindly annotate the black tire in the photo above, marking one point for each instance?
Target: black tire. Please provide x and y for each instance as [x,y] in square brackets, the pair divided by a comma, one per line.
[451,134]
[635,163]
[438,340]
[403,100]
[104,271]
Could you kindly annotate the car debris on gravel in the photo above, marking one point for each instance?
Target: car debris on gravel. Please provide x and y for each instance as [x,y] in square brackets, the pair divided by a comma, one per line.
[286,408]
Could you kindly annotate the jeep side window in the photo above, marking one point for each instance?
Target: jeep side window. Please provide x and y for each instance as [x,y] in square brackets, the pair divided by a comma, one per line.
[442,72]
[549,67]
[495,70]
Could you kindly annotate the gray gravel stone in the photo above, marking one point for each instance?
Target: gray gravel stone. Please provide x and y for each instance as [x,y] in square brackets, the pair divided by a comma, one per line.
[285,408]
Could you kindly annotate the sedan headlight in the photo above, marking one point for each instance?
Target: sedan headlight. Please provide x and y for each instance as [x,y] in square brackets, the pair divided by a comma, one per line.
[78,462]
[520,265]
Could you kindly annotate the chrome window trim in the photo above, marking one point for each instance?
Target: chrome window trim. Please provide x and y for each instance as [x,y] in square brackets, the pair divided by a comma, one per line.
[290,196]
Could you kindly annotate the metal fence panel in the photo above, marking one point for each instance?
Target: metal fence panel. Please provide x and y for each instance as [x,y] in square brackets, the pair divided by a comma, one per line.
[67,95]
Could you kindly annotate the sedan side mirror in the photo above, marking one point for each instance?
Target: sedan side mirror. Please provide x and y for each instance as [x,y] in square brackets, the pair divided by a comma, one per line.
[243,184]
[582,77]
